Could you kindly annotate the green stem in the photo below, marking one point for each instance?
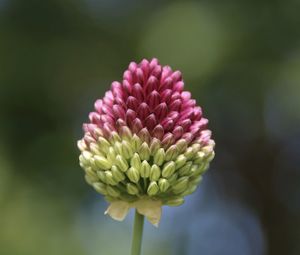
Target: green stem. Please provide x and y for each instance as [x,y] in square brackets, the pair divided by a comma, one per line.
[137,234]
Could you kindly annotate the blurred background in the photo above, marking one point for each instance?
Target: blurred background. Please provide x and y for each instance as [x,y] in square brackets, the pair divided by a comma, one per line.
[240,59]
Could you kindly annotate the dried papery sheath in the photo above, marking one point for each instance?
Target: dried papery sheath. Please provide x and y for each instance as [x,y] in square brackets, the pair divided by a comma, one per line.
[146,144]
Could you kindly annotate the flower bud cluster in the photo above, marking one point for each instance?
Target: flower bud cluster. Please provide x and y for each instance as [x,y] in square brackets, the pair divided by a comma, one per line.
[146,138]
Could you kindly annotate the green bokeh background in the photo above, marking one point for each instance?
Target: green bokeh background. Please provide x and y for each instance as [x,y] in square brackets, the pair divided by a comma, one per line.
[240,59]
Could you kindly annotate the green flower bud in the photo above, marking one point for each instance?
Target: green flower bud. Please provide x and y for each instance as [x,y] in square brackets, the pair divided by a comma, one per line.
[196,180]
[133,174]
[102,162]
[117,174]
[180,185]
[110,178]
[198,169]
[144,135]
[113,191]
[111,154]
[83,161]
[180,161]
[127,150]
[118,148]
[126,133]
[210,156]
[171,153]
[145,169]
[154,173]
[191,189]
[114,137]
[168,169]
[174,202]
[173,178]
[185,169]
[93,164]
[132,189]
[136,142]
[154,146]
[102,176]
[163,184]
[90,172]
[86,156]
[90,179]
[103,144]
[152,189]
[144,151]
[100,187]
[95,149]
[199,158]
[181,145]
[136,161]
[121,163]
[159,157]
[189,153]
[81,145]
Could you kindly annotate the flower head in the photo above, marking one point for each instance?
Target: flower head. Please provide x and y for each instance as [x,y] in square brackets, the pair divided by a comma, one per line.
[147,142]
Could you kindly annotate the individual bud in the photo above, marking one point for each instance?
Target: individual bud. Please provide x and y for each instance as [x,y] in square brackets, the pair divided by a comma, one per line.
[196,180]
[152,189]
[102,162]
[90,172]
[191,189]
[132,189]
[189,153]
[168,169]
[113,191]
[173,178]
[163,184]
[126,133]
[145,169]
[171,153]
[83,161]
[199,158]
[121,163]
[136,142]
[81,145]
[103,144]
[118,148]
[114,137]
[180,161]
[180,185]
[94,148]
[102,176]
[154,146]
[185,169]
[90,179]
[159,157]
[86,156]
[181,145]
[117,174]
[136,161]
[109,178]
[133,174]
[100,187]
[127,150]
[144,151]
[174,202]
[210,156]
[154,173]
[144,135]
[111,154]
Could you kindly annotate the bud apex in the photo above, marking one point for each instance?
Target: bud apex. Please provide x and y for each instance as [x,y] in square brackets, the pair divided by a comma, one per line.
[152,189]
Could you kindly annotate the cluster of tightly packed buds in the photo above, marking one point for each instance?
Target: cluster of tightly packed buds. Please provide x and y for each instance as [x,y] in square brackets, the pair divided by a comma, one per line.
[147,138]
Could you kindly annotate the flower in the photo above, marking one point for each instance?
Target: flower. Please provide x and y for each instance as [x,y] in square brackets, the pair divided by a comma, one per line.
[147,142]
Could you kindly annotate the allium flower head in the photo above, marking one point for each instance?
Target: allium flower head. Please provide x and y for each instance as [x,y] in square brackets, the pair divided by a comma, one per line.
[147,142]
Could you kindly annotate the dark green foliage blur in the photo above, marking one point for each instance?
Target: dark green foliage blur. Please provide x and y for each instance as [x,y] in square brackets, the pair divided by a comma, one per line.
[240,59]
